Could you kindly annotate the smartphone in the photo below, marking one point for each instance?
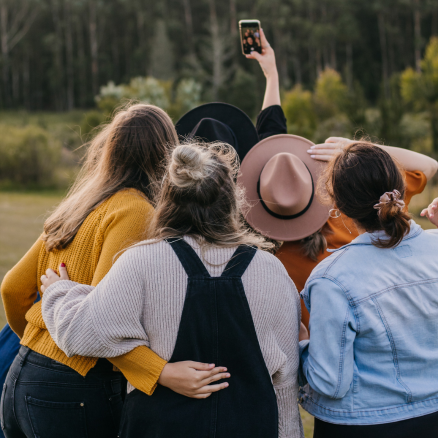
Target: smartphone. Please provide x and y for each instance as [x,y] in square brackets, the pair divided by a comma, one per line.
[250,36]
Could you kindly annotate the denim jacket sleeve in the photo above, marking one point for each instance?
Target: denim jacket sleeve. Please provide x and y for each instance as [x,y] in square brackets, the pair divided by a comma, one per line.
[327,360]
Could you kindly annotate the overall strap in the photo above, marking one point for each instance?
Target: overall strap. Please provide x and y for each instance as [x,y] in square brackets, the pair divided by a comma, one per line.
[240,261]
[192,264]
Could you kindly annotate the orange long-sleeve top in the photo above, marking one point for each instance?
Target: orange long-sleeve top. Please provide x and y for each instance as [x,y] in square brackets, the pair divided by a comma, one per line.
[118,222]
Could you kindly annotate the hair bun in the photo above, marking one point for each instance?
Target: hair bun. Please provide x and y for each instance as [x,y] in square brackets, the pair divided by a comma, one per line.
[188,166]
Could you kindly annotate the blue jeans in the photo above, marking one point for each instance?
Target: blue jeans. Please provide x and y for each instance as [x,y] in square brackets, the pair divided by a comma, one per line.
[43,398]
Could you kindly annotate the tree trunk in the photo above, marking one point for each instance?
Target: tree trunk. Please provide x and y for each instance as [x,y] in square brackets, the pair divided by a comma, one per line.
[81,63]
[383,48]
[69,53]
[58,73]
[417,35]
[5,52]
[349,56]
[217,49]
[92,25]
[233,18]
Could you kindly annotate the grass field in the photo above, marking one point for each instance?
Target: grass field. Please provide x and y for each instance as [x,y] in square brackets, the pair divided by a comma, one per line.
[21,219]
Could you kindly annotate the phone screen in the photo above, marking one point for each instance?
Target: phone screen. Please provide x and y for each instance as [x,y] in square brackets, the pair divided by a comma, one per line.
[250,37]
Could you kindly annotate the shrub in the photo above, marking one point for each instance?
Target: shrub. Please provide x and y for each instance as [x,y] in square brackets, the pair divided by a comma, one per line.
[299,112]
[29,157]
[91,120]
[330,94]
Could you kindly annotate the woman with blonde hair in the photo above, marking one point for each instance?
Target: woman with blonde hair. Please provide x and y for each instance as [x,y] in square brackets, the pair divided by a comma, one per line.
[49,393]
[202,288]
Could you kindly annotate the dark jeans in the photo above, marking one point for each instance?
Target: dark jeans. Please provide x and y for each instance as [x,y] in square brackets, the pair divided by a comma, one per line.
[43,398]
[419,427]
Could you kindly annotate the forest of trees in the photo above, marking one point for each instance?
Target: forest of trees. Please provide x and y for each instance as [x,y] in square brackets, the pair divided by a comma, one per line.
[55,54]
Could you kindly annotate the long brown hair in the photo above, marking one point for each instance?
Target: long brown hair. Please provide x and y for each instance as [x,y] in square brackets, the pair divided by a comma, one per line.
[355,180]
[127,153]
[200,198]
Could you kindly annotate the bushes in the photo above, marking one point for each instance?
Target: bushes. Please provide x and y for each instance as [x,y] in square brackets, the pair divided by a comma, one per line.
[29,157]
[174,97]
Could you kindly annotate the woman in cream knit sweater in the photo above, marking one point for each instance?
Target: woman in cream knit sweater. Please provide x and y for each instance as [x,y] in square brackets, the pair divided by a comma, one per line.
[200,289]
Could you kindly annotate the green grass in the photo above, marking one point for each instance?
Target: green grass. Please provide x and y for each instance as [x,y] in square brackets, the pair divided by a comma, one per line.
[21,220]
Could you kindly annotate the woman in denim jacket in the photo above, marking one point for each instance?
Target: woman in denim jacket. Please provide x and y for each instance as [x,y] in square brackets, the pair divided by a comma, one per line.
[370,367]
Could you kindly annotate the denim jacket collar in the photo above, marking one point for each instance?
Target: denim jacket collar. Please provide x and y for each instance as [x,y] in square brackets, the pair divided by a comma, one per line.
[368,238]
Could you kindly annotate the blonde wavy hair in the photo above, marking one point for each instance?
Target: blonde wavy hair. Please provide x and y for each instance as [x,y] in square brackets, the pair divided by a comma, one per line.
[129,152]
[200,198]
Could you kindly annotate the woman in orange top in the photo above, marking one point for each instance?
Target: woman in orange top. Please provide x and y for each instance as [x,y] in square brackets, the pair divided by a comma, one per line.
[300,257]
[107,209]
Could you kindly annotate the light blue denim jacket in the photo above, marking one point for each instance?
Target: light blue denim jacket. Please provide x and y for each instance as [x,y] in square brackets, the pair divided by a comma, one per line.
[373,351]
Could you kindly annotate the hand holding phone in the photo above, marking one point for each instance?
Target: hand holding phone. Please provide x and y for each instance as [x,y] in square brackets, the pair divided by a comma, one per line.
[267,58]
[250,36]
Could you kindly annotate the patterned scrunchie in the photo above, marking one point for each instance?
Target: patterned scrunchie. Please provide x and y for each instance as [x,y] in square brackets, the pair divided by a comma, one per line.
[390,197]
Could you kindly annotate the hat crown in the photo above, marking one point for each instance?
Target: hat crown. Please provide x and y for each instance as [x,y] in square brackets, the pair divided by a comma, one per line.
[286,185]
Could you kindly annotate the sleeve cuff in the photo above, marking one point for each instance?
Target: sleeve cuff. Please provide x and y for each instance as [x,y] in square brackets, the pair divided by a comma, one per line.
[142,367]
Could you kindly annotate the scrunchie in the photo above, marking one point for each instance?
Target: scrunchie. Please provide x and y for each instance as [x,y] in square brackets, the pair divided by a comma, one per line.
[390,197]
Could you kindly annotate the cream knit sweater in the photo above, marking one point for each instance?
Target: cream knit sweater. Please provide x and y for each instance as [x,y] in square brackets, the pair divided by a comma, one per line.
[140,302]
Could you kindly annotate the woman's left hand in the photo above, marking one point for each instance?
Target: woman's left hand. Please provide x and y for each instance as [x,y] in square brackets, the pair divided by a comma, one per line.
[52,277]
[332,146]
[431,212]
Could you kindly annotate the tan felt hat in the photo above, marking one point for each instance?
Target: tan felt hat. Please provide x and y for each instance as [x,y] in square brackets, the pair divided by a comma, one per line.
[280,179]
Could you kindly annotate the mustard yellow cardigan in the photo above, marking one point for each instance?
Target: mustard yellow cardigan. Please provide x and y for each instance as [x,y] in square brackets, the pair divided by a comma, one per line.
[115,224]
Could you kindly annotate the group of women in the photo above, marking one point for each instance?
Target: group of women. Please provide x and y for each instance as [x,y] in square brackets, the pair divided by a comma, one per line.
[165,312]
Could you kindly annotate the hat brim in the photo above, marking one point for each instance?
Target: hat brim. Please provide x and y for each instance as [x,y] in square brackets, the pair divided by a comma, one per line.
[281,229]
[235,118]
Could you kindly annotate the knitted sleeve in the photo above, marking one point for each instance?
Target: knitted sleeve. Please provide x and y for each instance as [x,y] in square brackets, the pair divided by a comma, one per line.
[19,289]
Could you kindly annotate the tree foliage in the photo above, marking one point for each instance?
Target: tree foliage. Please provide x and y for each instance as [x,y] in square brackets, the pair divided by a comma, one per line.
[56,54]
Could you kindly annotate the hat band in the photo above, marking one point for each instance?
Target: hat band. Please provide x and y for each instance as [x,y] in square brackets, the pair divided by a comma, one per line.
[293,216]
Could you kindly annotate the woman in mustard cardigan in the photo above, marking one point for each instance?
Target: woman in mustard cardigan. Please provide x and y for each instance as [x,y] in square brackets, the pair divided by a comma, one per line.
[107,209]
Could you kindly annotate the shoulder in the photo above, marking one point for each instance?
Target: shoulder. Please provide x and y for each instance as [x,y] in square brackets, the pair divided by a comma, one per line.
[128,199]
[128,205]
[268,273]
[328,266]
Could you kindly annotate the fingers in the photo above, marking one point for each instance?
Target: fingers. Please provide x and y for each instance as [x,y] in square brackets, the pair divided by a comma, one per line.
[431,210]
[63,272]
[205,375]
[337,140]
[217,377]
[200,366]
[263,39]
[209,389]
[255,55]
[423,212]
[321,157]
[326,146]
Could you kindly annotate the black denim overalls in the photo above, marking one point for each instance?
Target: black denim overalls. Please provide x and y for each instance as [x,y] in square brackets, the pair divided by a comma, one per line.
[216,327]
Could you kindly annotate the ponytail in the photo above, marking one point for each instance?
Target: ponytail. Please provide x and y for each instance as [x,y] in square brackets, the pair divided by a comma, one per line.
[313,245]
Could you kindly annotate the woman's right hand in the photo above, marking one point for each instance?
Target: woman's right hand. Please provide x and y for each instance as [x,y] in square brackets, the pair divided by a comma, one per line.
[193,379]
[431,212]
[267,58]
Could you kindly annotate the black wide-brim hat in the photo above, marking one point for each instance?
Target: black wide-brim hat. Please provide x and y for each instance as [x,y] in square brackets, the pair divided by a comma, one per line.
[242,131]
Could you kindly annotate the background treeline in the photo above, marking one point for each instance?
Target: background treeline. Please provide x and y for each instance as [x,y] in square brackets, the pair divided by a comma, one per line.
[55,54]
[347,67]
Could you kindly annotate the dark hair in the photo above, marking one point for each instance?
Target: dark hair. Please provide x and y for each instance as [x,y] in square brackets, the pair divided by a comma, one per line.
[355,180]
